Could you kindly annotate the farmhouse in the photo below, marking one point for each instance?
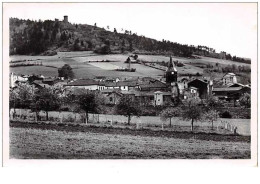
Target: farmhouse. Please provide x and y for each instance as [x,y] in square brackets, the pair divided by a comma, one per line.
[203,87]
[229,93]
[229,78]
[112,97]
[152,85]
[16,78]
[191,92]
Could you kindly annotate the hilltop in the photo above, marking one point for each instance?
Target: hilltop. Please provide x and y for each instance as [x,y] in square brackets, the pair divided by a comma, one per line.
[51,36]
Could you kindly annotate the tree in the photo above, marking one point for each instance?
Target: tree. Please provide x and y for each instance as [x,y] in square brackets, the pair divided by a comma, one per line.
[89,102]
[211,116]
[66,72]
[245,100]
[212,102]
[169,113]
[192,111]
[21,96]
[128,107]
[46,100]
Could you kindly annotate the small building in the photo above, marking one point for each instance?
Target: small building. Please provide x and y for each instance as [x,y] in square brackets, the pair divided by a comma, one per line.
[14,79]
[88,84]
[153,85]
[191,92]
[204,87]
[112,97]
[231,93]
[229,78]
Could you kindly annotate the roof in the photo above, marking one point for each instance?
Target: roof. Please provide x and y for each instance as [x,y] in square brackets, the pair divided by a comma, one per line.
[110,84]
[229,74]
[49,79]
[39,83]
[127,83]
[200,80]
[78,91]
[227,89]
[235,84]
[153,84]
[83,82]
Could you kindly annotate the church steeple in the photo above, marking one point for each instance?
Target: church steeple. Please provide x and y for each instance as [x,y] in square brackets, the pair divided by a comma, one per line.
[171,72]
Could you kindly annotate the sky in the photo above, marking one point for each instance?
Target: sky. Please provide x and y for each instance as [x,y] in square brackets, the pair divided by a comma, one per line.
[230,27]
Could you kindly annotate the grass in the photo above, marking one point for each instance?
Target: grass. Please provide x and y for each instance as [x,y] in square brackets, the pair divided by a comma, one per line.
[30,143]
[243,125]
[79,62]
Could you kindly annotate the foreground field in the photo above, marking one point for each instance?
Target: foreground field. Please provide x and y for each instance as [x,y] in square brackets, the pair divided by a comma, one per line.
[103,143]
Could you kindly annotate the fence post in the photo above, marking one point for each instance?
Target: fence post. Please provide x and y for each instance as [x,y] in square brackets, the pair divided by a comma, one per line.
[162,126]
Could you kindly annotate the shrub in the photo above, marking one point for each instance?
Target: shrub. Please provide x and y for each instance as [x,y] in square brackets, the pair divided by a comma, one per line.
[226,114]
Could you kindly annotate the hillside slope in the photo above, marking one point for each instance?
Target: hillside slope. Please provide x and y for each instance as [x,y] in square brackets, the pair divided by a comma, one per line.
[49,37]
[32,37]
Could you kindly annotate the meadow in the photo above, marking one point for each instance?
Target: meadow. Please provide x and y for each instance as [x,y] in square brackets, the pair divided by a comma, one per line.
[85,64]
[37,143]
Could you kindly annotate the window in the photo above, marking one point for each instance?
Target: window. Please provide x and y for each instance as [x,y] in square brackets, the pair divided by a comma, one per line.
[111,99]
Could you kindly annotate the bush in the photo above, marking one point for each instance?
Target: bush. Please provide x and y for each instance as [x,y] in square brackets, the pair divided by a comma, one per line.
[226,114]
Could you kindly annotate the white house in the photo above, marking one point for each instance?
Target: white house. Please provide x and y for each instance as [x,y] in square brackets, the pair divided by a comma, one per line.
[229,78]
[14,78]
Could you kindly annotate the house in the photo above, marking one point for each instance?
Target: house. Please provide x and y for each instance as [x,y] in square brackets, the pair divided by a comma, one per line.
[235,85]
[127,85]
[152,85]
[229,78]
[88,84]
[182,84]
[40,85]
[111,96]
[50,81]
[191,92]
[14,79]
[111,85]
[229,93]
[155,98]
[204,87]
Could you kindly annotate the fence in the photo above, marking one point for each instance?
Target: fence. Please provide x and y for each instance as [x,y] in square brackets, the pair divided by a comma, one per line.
[240,126]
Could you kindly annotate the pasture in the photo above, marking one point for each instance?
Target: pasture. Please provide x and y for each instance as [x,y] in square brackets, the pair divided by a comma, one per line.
[41,143]
[80,62]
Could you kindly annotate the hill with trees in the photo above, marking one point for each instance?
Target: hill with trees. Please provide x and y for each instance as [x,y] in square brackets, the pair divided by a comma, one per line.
[48,37]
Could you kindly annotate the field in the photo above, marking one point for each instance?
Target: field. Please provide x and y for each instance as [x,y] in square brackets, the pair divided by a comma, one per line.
[80,62]
[93,143]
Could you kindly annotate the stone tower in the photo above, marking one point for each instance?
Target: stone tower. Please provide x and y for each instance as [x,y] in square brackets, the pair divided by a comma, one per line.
[171,72]
[66,20]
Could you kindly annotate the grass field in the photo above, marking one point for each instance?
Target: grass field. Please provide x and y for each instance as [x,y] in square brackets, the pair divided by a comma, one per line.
[31,143]
[79,61]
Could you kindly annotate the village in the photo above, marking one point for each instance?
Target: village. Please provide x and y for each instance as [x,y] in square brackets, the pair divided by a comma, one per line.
[86,90]
[146,91]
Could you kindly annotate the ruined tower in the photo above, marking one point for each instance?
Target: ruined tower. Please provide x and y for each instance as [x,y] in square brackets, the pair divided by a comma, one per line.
[66,20]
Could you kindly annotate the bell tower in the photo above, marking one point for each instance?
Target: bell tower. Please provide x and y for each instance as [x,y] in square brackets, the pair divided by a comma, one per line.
[171,72]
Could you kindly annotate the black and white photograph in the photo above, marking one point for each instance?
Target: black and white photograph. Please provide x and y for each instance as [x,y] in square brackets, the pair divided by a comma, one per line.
[130,81]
